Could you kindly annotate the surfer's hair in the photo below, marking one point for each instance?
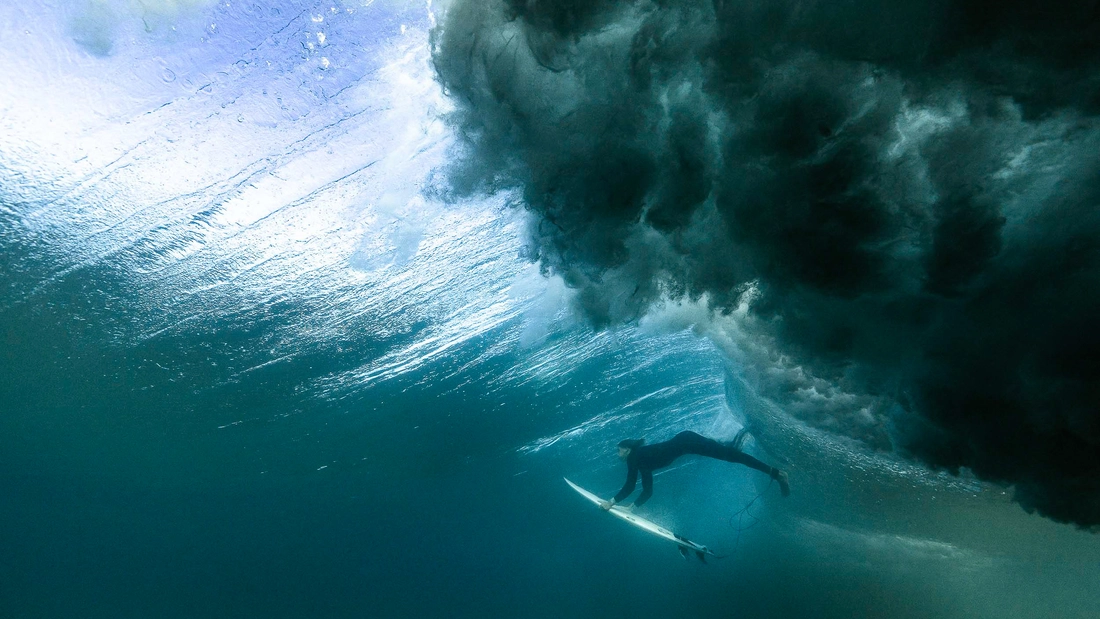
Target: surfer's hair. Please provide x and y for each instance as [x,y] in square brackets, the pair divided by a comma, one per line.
[631,443]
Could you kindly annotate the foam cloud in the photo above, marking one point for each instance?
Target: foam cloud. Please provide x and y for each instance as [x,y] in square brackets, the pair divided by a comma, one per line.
[902,198]
[95,24]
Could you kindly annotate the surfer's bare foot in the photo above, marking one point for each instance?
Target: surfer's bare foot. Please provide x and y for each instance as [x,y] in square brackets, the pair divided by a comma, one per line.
[784,487]
[606,505]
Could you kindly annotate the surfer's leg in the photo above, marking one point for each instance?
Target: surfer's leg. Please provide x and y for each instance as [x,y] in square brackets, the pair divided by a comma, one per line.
[730,453]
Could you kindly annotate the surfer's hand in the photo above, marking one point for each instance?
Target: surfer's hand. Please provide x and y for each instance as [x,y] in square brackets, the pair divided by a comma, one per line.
[606,505]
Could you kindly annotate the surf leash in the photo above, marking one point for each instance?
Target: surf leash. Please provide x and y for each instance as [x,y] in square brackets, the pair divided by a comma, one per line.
[740,515]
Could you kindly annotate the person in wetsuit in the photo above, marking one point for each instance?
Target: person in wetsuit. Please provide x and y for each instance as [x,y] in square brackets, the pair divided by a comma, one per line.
[644,459]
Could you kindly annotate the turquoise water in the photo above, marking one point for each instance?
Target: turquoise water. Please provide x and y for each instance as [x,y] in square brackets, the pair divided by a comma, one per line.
[253,368]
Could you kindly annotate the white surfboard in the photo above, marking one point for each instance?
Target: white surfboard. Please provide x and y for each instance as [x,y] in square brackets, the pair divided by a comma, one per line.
[684,543]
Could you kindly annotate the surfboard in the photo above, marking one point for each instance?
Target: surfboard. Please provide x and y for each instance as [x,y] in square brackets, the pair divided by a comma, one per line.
[685,545]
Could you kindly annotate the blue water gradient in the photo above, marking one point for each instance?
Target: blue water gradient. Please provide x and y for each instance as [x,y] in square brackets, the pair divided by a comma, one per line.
[255,366]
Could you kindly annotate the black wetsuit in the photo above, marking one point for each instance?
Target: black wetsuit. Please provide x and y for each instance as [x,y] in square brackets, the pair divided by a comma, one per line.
[647,458]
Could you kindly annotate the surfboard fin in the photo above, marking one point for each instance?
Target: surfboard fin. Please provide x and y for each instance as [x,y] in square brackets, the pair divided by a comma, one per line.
[683,552]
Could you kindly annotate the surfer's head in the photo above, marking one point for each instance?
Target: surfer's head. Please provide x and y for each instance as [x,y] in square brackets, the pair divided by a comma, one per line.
[627,445]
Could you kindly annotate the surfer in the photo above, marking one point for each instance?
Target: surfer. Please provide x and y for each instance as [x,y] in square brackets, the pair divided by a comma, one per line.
[644,459]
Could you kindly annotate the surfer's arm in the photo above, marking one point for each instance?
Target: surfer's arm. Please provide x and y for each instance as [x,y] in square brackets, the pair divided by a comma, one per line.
[647,488]
[628,487]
